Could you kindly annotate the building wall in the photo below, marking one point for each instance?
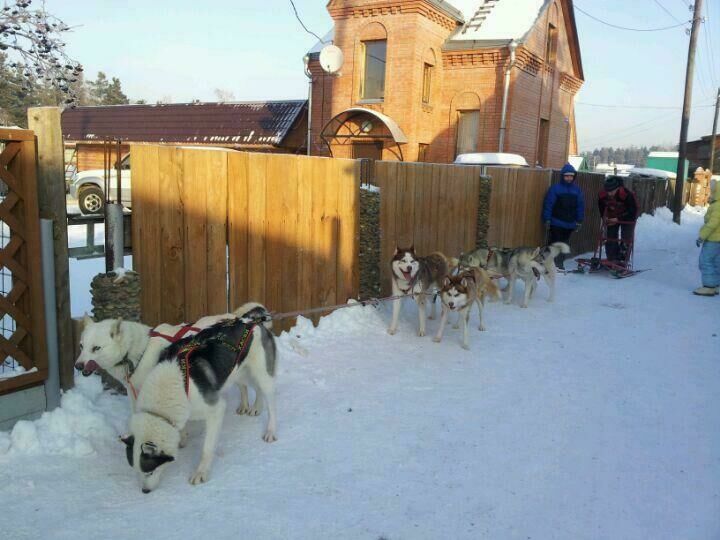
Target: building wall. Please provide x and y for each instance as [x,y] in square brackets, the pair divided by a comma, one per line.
[462,80]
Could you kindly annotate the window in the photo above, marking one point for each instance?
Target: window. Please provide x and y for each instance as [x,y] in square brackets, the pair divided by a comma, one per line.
[422,152]
[468,132]
[427,83]
[373,80]
[551,45]
[543,141]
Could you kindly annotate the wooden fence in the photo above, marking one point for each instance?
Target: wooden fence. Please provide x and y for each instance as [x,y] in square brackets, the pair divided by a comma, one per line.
[431,206]
[213,229]
[22,316]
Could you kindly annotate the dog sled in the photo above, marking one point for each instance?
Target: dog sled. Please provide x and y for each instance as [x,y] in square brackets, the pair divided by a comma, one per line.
[619,268]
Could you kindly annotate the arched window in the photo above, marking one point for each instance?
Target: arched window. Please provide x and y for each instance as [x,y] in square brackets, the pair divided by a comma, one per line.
[373,49]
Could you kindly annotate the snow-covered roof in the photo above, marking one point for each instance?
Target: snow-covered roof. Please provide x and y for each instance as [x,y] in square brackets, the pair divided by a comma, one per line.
[664,154]
[491,158]
[656,173]
[497,21]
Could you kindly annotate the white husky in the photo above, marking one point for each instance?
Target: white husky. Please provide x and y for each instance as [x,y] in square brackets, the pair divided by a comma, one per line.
[188,384]
[128,351]
[529,264]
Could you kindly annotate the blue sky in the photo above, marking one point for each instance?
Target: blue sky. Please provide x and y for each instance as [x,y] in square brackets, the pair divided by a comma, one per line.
[184,49]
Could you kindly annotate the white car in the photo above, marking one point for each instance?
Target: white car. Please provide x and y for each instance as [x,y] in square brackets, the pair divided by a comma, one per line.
[491,159]
[88,187]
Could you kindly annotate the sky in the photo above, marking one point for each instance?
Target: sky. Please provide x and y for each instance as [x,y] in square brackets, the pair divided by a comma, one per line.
[184,50]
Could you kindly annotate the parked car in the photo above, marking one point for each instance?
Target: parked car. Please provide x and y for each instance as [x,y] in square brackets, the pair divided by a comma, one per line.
[491,159]
[88,187]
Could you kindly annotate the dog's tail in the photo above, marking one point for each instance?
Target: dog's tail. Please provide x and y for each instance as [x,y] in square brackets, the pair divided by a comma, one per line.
[560,247]
[255,310]
[488,284]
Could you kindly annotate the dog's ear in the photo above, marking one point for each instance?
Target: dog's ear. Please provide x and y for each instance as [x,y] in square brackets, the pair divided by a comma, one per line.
[446,281]
[129,440]
[397,250]
[463,282]
[115,328]
[87,321]
[412,249]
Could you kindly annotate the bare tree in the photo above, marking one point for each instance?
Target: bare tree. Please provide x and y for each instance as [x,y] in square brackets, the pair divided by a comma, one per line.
[33,41]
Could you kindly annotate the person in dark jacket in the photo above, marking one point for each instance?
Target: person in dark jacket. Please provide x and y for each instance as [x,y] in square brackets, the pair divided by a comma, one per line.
[563,209]
[618,206]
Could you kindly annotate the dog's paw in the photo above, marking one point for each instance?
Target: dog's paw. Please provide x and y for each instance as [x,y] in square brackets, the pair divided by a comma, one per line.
[456,326]
[481,327]
[269,437]
[466,346]
[523,305]
[421,333]
[242,409]
[254,411]
[200,477]
[437,339]
[392,331]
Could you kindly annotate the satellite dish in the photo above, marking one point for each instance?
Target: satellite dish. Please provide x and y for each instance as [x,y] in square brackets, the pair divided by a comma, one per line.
[331,59]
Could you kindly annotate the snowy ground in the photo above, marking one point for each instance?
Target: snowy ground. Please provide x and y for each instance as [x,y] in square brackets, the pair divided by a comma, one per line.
[595,417]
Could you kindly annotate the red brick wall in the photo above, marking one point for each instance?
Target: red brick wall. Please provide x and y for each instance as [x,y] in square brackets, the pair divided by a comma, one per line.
[466,79]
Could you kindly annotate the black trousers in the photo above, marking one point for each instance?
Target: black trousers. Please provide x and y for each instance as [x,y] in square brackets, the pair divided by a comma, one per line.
[616,251]
[559,234]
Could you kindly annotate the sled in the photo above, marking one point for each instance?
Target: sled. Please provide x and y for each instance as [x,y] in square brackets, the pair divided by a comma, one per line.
[619,269]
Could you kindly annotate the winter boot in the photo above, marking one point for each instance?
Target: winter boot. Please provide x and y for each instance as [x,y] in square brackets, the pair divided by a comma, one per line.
[706,291]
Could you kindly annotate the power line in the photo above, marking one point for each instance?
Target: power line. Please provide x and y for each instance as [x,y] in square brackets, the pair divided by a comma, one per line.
[303,24]
[630,29]
[632,130]
[667,11]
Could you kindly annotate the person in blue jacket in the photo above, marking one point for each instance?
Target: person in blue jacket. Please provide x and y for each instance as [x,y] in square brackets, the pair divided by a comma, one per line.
[563,209]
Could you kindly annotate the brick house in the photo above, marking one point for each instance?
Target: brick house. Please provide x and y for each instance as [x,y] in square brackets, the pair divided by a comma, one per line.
[425,80]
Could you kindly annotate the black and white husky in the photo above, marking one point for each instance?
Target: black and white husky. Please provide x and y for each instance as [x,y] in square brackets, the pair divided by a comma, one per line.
[416,276]
[128,350]
[528,264]
[188,383]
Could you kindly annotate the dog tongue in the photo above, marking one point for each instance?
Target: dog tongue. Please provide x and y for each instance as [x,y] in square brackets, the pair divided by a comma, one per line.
[90,366]
[406,275]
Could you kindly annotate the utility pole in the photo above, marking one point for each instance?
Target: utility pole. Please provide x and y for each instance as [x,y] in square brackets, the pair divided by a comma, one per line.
[687,102]
[714,133]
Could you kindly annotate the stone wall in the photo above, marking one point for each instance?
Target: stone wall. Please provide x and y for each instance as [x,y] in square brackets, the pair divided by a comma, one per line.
[483,221]
[369,242]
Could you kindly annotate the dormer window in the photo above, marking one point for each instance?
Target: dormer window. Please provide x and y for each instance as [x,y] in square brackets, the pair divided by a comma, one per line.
[373,79]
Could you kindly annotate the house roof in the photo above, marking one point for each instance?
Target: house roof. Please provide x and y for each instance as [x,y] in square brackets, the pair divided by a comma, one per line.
[497,21]
[664,154]
[258,123]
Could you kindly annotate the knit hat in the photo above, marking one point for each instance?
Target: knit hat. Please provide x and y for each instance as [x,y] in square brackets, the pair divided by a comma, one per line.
[612,182]
[568,169]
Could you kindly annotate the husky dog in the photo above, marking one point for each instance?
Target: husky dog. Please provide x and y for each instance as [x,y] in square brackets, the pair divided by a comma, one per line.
[529,264]
[127,350]
[413,275]
[187,384]
[460,292]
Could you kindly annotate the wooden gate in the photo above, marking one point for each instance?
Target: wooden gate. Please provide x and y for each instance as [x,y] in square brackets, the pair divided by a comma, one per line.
[23,350]
[213,229]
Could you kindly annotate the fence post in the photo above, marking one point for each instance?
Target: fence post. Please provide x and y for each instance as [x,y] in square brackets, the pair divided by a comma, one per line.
[45,122]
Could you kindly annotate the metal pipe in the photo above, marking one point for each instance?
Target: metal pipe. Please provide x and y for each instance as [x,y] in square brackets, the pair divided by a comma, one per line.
[52,383]
[115,246]
[503,118]
[308,74]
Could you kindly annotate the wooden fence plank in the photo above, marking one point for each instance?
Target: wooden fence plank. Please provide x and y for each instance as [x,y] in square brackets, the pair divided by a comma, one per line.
[196,241]
[172,225]
[238,228]
[256,185]
[386,173]
[348,282]
[216,181]
[305,232]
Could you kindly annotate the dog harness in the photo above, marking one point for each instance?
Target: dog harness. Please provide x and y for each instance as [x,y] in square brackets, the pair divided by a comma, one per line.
[239,348]
[184,329]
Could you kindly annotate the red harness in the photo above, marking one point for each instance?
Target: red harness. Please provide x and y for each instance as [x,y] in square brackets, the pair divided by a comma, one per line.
[184,329]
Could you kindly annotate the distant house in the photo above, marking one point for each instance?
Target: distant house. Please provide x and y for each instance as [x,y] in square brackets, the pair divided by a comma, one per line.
[425,80]
[698,152]
[265,126]
[665,161]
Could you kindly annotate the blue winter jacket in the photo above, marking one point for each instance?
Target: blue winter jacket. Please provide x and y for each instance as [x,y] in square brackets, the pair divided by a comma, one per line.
[564,204]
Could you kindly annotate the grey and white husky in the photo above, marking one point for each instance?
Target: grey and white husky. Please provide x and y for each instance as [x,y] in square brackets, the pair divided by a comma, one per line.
[528,264]
[416,276]
[128,350]
[188,384]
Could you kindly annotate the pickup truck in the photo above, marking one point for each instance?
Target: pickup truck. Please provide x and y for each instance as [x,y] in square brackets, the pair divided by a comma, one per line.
[88,187]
